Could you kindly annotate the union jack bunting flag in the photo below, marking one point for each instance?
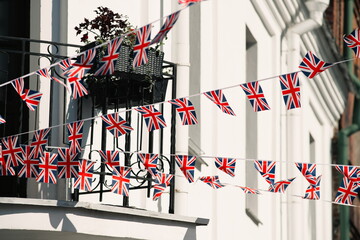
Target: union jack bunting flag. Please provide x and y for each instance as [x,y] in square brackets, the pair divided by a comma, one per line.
[150,162]
[68,164]
[18,85]
[212,181]
[158,190]
[82,65]
[169,23]
[350,172]
[111,158]
[32,98]
[75,131]
[188,2]
[313,191]
[11,150]
[85,174]
[108,61]
[2,120]
[29,166]
[116,125]
[153,118]
[347,191]
[39,141]
[267,170]
[48,168]
[5,168]
[141,46]
[280,186]
[121,180]
[255,95]
[219,99]
[312,65]
[65,64]
[163,178]
[308,170]
[226,165]
[186,165]
[353,41]
[77,87]
[186,111]
[290,89]
[46,74]
[250,190]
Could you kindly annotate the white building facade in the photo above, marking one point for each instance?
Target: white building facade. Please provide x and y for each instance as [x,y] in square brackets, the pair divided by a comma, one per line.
[215,45]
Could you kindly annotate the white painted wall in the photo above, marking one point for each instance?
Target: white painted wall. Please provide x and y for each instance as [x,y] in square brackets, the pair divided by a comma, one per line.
[216,52]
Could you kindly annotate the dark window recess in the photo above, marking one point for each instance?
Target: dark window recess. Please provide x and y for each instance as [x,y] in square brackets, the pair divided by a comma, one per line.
[15,18]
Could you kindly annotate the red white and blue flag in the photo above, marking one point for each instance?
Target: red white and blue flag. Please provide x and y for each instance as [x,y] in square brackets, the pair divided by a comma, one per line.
[77,87]
[68,164]
[313,191]
[353,41]
[5,166]
[85,174]
[150,162]
[153,118]
[116,125]
[250,190]
[46,74]
[347,191]
[121,180]
[11,151]
[39,142]
[18,85]
[163,178]
[29,166]
[111,158]
[108,61]
[266,169]
[226,165]
[281,186]
[186,110]
[48,168]
[75,131]
[32,98]
[212,181]
[312,65]
[186,165]
[82,65]
[219,99]
[255,95]
[188,2]
[158,190]
[162,181]
[308,170]
[169,23]
[290,89]
[141,46]
[66,64]
[2,120]
[350,172]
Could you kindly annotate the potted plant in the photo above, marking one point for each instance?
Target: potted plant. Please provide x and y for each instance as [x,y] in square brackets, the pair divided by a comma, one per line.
[126,85]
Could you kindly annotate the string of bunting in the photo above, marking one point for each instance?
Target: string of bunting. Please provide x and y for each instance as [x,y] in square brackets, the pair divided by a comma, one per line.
[32,161]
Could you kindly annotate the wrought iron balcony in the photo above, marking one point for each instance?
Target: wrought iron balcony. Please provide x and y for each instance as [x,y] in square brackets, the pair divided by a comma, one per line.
[21,49]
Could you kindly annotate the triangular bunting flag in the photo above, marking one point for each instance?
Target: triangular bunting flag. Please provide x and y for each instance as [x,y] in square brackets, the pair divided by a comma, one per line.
[312,65]
[353,41]
[255,95]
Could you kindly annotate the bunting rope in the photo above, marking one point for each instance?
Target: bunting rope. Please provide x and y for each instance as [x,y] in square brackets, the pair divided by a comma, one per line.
[213,157]
[166,101]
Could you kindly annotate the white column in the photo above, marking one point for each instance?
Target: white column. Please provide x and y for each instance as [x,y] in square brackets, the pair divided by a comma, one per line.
[180,51]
